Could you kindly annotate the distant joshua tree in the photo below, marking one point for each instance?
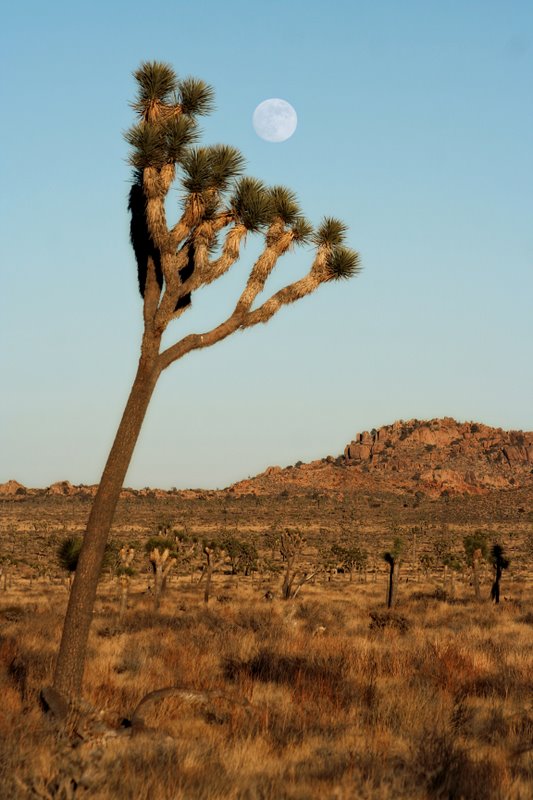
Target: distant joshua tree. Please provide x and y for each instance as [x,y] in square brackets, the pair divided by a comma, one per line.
[291,543]
[161,551]
[124,572]
[499,563]
[174,261]
[68,554]
[475,546]
[393,559]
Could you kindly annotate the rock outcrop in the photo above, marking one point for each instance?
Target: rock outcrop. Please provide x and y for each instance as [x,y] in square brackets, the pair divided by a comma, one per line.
[438,456]
[11,488]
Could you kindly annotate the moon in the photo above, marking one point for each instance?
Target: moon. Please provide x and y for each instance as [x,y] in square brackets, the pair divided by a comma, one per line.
[274,120]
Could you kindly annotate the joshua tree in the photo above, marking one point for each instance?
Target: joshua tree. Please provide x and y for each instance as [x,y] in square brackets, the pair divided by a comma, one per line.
[124,573]
[212,552]
[393,559]
[68,554]
[162,556]
[162,563]
[173,261]
[499,563]
[427,561]
[242,555]
[350,558]
[291,543]
[5,571]
[452,562]
[475,545]
[443,549]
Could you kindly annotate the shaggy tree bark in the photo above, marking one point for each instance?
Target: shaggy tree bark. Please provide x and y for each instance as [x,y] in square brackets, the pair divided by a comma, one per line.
[172,263]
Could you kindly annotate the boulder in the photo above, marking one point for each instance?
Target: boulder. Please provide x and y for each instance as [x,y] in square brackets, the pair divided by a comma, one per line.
[12,487]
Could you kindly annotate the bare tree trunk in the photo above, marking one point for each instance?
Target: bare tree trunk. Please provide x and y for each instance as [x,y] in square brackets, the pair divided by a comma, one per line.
[286,589]
[475,575]
[495,590]
[391,585]
[158,586]
[395,581]
[124,589]
[71,658]
[452,584]
[207,590]
[208,574]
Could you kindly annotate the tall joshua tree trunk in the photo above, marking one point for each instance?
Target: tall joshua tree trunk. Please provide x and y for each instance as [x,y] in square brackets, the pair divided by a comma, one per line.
[71,658]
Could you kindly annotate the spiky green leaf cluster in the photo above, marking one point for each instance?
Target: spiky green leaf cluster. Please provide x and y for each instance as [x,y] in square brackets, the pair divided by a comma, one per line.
[330,233]
[343,263]
[211,168]
[179,133]
[196,96]
[157,143]
[196,167]
[498,558]
[161,542]
[129,571]
[251,203]
[303,230]
[156,81]
[68,553]
[284,204]
[69,550]
[226,163]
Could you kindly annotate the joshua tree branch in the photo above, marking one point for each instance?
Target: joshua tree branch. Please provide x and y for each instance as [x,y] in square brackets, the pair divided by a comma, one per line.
[230,254]
[264,265]
[240,318]
[289,294]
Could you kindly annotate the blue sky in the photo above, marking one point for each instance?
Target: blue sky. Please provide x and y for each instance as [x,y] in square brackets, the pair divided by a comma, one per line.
[415,126]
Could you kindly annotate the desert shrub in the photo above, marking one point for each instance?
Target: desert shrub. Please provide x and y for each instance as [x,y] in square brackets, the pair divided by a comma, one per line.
[16,613]
[258,620]
[314,613]
[387,619]
[496,684]
[291,670]
[448,771]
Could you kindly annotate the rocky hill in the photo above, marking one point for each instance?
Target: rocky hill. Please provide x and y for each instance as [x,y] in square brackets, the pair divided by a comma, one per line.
[436,457]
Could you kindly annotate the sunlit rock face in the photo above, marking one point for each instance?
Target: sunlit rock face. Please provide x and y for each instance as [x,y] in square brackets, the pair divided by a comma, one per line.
[438,456]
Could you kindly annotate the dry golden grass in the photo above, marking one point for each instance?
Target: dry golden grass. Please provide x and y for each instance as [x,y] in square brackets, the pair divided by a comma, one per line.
[309,698]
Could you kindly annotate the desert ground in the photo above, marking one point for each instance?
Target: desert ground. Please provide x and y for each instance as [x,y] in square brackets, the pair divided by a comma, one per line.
[327,694]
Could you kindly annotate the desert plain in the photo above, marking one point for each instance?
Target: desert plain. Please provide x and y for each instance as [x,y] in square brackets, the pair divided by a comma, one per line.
[276,667]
